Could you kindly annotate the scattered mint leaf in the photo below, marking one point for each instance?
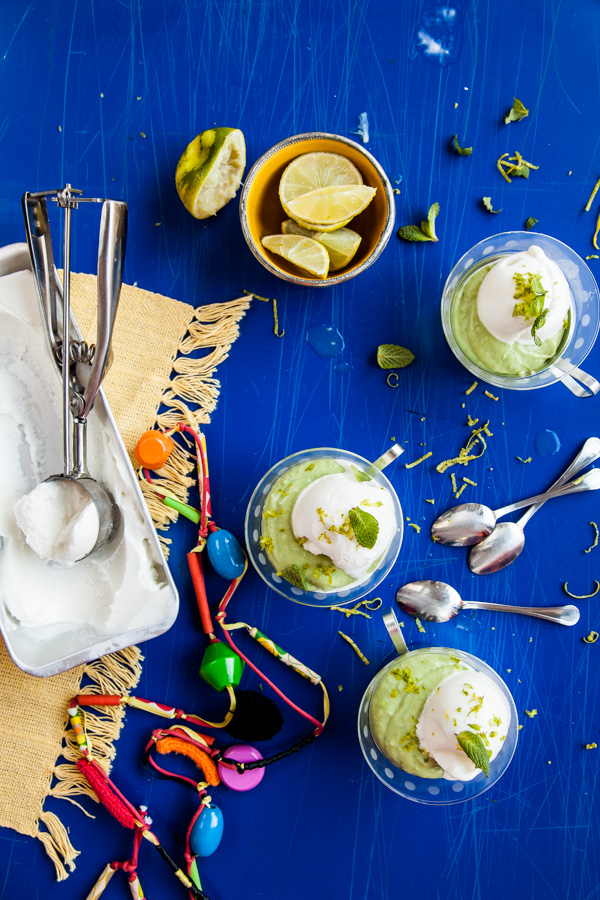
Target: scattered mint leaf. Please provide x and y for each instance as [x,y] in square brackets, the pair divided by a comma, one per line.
[412,233]
[464,151]
[433,213]
[517,112]
[474,747]
[536,284]
[294,575]
[532,295]
[487,202]
[426,232]
[359,474]
[365,527]
[392,356]
[530,222]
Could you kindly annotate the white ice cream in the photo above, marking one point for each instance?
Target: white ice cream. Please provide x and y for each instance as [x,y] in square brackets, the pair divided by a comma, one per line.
[496,297]
[461,701]
[59,521]
[114,591]
[323,507]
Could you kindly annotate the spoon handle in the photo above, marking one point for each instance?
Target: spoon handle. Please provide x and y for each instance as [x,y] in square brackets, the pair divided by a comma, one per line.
[589,453]
[588,482]
[563,615]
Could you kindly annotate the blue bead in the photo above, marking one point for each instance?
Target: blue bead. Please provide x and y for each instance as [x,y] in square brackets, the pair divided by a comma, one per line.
[207,831]
[225,554]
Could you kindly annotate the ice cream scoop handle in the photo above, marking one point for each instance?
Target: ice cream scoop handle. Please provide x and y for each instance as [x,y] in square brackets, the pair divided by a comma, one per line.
[111,252]
[563,615]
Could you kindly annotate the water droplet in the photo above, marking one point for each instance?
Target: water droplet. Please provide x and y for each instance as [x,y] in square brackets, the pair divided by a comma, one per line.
[325,340]
[546,443]
[342,368]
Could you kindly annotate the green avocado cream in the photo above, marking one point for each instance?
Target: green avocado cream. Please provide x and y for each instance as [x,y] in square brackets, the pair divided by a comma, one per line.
[277,536]
[397,703]
[483,348]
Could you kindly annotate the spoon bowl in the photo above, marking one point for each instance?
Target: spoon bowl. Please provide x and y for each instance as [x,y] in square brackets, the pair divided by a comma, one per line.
[436,601]
[498,550]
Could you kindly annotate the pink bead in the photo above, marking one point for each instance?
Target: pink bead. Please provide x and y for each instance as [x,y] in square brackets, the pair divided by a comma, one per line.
[241,781]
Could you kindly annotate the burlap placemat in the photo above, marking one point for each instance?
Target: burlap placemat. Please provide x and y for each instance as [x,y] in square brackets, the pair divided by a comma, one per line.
[153,382]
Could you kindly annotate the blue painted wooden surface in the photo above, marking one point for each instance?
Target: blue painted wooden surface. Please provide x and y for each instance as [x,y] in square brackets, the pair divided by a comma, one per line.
[107,95]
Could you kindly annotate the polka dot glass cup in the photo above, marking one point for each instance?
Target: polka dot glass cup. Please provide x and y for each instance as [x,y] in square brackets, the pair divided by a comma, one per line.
[433,791]
[585,312]
[260,559]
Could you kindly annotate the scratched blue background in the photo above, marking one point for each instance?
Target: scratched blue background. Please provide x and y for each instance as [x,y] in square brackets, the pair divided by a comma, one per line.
[81,82]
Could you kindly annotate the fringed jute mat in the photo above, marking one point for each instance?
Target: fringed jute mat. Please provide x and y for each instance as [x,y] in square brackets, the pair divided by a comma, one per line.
[153,382]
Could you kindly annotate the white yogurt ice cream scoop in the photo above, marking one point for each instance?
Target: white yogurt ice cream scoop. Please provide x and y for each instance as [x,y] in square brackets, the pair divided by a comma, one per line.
[320,515]
[465,701]
[496,297]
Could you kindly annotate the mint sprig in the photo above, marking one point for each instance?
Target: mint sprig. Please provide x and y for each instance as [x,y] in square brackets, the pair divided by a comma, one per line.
[532,295]
[424,232]
[393,356]
[365,527]
[475,749]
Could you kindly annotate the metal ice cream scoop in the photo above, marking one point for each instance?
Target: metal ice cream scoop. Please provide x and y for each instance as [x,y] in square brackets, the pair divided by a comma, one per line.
[82,367]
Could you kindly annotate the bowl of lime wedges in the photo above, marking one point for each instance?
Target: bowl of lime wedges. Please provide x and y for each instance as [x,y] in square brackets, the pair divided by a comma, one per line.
[317,209]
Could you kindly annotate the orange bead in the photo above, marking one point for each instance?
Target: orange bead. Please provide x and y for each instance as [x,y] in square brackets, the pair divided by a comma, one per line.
[153,449]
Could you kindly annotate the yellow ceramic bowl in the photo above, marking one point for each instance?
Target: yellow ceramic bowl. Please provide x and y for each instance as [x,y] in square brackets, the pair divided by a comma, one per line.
[261,212]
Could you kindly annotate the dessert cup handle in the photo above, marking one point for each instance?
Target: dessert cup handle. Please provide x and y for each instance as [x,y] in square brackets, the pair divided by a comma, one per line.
[390,455]
[395,632]
[578,382]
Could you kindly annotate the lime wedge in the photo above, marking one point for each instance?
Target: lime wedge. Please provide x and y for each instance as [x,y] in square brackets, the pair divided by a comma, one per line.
[210,171]
[302,251]
[333,205]
[310,171]
[341,245]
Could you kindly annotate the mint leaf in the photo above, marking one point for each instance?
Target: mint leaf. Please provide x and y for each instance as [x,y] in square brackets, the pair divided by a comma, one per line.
[365,527]
[530,222]
[517,112]
[412,233]
[392,356]
[475,749]
[541,318]
[487,202]
[536,284]
[424,233]
[464,151]
[432,215]
[294,575]
[359,474]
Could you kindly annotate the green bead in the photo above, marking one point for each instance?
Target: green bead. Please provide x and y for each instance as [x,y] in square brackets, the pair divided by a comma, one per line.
[194,874]
[221,666]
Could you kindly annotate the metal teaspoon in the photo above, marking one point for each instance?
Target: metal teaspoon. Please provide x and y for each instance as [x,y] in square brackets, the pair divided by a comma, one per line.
[435,601]
[500,548]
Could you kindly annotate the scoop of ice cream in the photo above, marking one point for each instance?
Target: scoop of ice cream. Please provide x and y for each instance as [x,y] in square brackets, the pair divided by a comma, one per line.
[496,297]
[321,516]
[465,701]
[59,521]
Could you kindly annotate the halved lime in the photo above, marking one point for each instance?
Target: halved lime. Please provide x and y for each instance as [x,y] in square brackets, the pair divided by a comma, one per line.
[341,245]
[210,170]
[302,251]
[310,171]
[330,206]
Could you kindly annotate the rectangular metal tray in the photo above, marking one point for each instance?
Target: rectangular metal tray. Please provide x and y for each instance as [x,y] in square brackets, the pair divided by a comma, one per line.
[72,648]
